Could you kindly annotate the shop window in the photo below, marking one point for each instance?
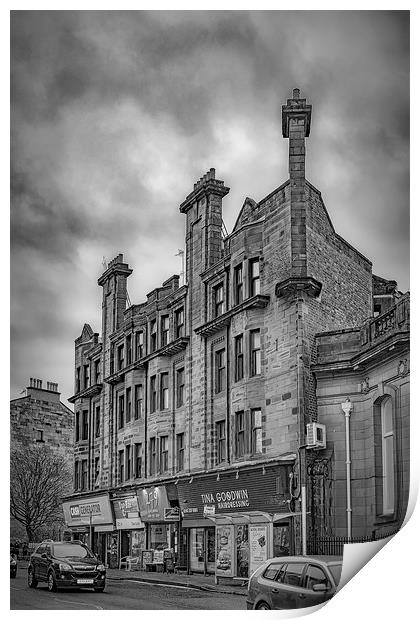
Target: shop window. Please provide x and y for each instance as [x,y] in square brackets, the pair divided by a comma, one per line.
[128,404]
[152,453]
[180,387]
[164,331]
[221,441]
[128,462]
[85,424]
[84,475]
[153,394]
[163,456]
[240,433]
[138,458]
[121,411]
[238,285]
[128,350]
[254,277]
[180,451]
[256,431]
[153,336]
[255,352]
[120,354]
[220,369]
[121,465]
[138,398]
[239,357]
[164,391]
[97,421]
[179,323]
[78,384]
[218,301]
[77,427]
[139,345]
[86,376]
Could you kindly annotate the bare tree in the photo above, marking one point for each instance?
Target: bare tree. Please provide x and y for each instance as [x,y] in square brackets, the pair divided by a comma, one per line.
[38,480]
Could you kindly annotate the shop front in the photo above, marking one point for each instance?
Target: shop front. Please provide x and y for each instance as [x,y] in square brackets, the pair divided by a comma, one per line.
[130,528]
[91,521]
[234,521]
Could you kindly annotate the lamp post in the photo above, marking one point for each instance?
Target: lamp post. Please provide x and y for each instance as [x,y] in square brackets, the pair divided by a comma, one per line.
[347,408]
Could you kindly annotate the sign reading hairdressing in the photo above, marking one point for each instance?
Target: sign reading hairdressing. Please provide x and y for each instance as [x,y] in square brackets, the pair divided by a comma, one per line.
[92,511]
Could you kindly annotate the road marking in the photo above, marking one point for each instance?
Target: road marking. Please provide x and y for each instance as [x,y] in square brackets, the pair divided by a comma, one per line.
[162,585]
[61,600]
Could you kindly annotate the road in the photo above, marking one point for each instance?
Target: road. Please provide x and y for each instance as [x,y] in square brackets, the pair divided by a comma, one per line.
[119,595]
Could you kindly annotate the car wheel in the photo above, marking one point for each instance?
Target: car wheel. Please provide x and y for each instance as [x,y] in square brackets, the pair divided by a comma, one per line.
[100,589]
[263,605]
[32,582]
[52,584]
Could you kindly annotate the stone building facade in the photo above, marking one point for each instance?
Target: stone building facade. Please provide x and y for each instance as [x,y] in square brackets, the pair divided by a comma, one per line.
[191,409]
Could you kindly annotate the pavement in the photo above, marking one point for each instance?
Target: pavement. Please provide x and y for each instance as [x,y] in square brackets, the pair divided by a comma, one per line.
[195,581]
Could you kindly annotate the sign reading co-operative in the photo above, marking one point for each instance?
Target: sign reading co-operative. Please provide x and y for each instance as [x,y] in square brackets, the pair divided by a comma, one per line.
[92,511]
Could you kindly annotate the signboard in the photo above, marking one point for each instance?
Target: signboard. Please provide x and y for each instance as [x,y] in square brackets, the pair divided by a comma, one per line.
[127,514]
[209,510]
[257,546]
[224,550]
[171,514]
[92,511]
[153,502]
[158,556]
[146,557]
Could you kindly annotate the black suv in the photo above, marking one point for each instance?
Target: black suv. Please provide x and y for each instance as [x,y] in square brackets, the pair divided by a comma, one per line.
[65,564]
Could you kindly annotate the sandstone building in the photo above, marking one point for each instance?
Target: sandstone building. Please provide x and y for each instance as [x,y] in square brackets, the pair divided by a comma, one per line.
[192,408]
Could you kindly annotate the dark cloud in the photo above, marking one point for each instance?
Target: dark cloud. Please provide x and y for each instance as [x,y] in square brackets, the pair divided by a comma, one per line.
[115,114]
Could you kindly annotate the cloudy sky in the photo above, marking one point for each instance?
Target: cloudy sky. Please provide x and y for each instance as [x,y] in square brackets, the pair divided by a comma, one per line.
[116,114]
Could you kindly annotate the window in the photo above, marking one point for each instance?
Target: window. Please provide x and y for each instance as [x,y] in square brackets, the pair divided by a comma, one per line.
[97,421]
[315,575]
[239,357]
[84,475]
[86,376]
[78,386]
[256,438]
[271,571]
[96,471]
[112,360]
[179,323]
[97,371]
[153,393]
[121,411]
[164,331]
[85,424]
[293,574]
[221,441]
[220,364]
[120,353]
[77,426]
[152,451]
[163,457]
[139,345]
[76,475]
[153,336]
[254,277]
[127,462]
[180,387]
[388,466]
[138,460]
[138,405]
[164,391]
[121,465]
[128,351]
[240,433]
[40,436]
[255,351]
[180,450]
[238,285]
[219,306]
[128,404]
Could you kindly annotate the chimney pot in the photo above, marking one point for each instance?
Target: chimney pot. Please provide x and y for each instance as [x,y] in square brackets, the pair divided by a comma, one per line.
[296,93]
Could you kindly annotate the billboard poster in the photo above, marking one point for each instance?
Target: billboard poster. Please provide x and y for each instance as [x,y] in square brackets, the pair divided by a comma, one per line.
[224,550]
[258,546]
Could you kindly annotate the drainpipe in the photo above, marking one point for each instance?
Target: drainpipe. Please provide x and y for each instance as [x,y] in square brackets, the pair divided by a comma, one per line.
[347,409]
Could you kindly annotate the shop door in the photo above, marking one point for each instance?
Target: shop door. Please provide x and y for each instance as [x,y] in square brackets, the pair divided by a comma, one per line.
[210,534]
[197,549]
[125,544]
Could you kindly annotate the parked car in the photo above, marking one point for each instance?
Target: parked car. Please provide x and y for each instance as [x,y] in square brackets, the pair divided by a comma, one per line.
[13,566]
[294,582]
[65,565]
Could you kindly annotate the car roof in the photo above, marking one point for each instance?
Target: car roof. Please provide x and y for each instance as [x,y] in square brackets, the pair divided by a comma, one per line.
[326,559]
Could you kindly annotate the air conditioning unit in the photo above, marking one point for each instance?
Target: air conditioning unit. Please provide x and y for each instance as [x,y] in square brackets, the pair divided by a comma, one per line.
[316,436]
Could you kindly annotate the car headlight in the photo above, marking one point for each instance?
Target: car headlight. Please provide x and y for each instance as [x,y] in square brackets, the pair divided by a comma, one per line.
[100,568]
[63,566]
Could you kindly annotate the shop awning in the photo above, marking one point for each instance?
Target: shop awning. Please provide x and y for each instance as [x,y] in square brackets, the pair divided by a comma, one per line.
[253,516]
[104,528]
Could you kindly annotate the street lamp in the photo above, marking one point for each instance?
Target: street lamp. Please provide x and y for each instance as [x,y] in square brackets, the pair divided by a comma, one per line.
[347,408]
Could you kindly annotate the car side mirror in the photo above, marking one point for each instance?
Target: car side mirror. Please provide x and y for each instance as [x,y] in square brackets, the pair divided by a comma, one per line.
[320,587]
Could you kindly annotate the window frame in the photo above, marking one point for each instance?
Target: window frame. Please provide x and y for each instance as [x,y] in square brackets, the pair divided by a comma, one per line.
[153,335]
[180,386]
[153,393]
[97,420]
[220,370]
[164,330]
[254,428]
[128,350]
[164,391]
[153,454]
[254,353]
[218,304]
[239,358]
[128,462]
[163,454]
[128,403]
[121,409]
[180,451]
[238,284]
[220,441]
[85,425]
[138,460]
[121,465]
[240,434]
[139,344]
[254,280]
[179,326]
[138,401]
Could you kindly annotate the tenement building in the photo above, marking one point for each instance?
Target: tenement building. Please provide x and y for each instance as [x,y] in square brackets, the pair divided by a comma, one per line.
[209,420]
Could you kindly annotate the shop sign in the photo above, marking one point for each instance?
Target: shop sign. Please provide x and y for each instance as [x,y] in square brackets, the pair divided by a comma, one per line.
[171,514]
[153,502]
[257,546]
[127,514]
[224,550]
[92,511]
[209,510]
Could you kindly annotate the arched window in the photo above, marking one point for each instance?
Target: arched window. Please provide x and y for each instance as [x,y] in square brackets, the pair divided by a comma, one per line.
[388,461]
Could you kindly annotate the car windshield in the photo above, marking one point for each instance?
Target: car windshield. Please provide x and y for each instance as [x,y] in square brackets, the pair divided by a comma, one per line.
[71,551]
[336,572]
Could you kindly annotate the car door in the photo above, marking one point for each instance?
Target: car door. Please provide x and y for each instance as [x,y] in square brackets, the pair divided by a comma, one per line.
[43,562]
[316,577]
[267,586]
[35,560]
[287,592]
